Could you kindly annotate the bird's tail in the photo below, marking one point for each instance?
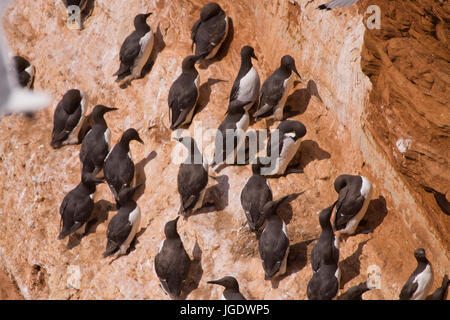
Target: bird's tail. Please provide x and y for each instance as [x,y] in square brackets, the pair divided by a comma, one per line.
[111,248]
[123,71]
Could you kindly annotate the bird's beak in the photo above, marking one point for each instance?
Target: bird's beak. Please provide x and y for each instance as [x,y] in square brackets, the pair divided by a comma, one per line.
[296,72]
[139,140]
[110,109]
[148,14]
[214,282]
[137,187]
[254,56]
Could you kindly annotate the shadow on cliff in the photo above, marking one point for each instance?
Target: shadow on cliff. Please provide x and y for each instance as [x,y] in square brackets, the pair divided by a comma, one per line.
[440,199]
[158,46]
[376,212]
[205,94]
[350,266]
[298,101]
[310,151]
[216,197]
[195,272]
[224,48]
[296,261]
[140,173]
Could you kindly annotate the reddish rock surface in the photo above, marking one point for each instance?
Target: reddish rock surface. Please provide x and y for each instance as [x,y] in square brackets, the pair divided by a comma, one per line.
[352,72]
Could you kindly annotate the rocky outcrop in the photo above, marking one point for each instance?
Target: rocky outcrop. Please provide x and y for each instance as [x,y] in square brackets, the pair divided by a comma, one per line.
[346,73]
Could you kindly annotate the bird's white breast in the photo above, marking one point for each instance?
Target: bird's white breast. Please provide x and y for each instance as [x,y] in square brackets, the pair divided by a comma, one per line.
[135,215]
[424,281]
[365,187]
[249,86]
[107,135]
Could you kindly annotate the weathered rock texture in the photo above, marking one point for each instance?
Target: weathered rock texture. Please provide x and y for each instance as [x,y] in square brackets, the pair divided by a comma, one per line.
[368,88]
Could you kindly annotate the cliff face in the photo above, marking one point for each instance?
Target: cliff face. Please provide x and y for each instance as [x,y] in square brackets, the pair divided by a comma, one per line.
[361,91]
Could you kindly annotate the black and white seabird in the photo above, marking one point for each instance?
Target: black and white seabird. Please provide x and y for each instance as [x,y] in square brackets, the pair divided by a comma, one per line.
[419,283]
[247,83]
[355,292]
[13,97]
[183,94]
[119,166]
[210,31]
[324,284]
[192,179]
[77,206]
[124,225]
[25,71]
[441,292]
[336,4]
[354,197]
[255,194]
[231,291]
[230,136]
[273,244]
[135,51]
[172,261]
[283,146]
[326,240]
[68,118]
[275,90]
[97,142]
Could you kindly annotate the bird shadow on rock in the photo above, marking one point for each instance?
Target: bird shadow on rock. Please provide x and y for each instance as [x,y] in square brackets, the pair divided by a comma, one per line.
[158,46]
[135,239]
[310,151]
[224,48]
[205,94]
[298,101]
[216,197]
[350,266]
[342,296]
[440,199]
[285,211]
[99,215]
[140,173]
[297,258]
[195,272]
[376,212]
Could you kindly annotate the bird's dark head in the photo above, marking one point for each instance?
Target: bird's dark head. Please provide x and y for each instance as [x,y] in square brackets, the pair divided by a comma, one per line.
[170,229]
[88,179]
[141,19]
[325,216]
[293,128]
[127,194]
[131,134]
[256,167]
[419,254]
[210,10]
[270,208]
[248,51]
[100,110]
[72,99]
[227,282]
[288,63]
[341,182]
[189,62]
